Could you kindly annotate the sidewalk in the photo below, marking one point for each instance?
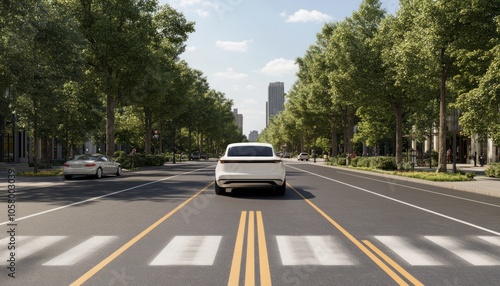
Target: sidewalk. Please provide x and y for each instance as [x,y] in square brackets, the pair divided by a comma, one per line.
[480,185]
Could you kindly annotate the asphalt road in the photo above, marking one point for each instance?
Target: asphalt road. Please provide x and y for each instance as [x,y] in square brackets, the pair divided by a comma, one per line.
[166,226]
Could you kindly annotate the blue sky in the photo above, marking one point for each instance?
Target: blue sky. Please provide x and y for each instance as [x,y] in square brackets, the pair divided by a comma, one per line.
[243,45]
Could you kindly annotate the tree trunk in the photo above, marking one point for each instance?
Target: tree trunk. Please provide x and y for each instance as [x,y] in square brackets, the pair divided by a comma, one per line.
[37,156]
[442,120]
[110,125]
[398,112]
[147,126]
[349,132]
[335,143]
[189,143]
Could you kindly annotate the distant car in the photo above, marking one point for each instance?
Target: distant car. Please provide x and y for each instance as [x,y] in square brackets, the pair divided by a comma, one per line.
[303,156]
[96,165]
[195,156]
[250,165]
[287,155]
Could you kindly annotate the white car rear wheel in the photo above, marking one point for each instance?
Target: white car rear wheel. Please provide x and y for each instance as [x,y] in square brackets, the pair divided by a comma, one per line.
[219,190]
[280,191]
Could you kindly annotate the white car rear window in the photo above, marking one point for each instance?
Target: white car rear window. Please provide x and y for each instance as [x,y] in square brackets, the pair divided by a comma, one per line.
[250,151]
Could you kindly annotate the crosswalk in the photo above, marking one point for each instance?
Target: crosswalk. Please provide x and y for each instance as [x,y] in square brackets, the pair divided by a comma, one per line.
[429,250]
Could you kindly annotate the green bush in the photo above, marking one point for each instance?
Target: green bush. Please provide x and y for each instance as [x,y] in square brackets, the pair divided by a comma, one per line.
[140,160]
[363,162]
[493,170]
[119,154]
[354,161]
[383,163]
[341,161]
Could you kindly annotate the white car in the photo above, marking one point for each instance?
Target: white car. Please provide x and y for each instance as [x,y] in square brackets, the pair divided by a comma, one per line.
[303,156]
[250,165]
[96,165]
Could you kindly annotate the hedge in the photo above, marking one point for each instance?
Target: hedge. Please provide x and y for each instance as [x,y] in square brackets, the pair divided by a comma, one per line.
[139,160]
[493,170]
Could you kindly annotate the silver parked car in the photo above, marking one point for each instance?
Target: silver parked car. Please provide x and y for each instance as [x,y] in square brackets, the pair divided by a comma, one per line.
[96,165]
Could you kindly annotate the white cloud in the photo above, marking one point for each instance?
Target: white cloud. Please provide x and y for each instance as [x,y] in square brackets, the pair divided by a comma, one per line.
[308,16]
[190,48]
[201,13]
[250,87]
[279,67]
[231,74]
[189,2]
[233,46]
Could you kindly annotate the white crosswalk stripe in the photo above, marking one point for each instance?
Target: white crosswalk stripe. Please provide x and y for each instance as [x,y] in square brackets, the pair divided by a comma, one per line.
[313,250]
[455,246]
[408,252]
[293,250]
[491,239]
[80,251]
[189,250]
[27,246]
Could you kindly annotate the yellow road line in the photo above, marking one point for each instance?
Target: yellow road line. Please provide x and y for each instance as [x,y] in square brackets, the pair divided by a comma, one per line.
[127,245]
[356,242]
[265,272]
[393,264]
[250,266]
[254,218]
[234,275]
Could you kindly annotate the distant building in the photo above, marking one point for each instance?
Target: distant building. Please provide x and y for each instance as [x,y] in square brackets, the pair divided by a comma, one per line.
[239,119]
[252,137]
[276,100]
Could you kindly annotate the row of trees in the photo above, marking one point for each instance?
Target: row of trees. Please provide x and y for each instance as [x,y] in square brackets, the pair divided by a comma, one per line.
[393,75]
[105,69]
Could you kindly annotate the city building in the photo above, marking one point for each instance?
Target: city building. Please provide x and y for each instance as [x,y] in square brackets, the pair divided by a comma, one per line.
[275,100]
[252,137]
[239,119]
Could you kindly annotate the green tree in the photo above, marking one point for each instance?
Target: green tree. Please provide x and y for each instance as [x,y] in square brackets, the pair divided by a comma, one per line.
[44,52]
[449,31]
[480,105]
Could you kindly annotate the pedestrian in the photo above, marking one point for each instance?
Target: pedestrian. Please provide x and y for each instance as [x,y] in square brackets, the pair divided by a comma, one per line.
[481,159]
[133,154]
[448,155]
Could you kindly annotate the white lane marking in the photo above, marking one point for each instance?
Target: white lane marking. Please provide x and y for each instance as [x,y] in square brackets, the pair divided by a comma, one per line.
[80,251]
[491,239]
[407,251]
[476,258]
[189,250]
[103,196]
[312,250]
[424,190]
[31,247]
[404,203]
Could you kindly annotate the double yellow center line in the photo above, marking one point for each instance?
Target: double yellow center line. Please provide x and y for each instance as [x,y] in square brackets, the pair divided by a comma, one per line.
[265,273]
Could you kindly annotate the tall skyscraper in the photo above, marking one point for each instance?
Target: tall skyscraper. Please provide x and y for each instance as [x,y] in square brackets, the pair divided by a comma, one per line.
[238,118]
[276,100]
[252,137]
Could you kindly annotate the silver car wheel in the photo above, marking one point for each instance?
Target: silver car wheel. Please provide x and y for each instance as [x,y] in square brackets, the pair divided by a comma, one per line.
[119,171]
[98,173]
